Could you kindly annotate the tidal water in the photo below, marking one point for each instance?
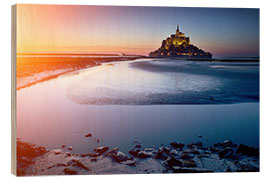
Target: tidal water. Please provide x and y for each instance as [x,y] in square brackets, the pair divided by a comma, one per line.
[151,101]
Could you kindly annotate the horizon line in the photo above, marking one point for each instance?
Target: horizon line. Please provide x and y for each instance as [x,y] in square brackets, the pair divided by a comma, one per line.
[113,54]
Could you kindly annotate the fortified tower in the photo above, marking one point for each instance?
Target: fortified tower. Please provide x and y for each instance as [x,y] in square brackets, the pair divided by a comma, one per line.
[178,45]
[179,38]
[177,30]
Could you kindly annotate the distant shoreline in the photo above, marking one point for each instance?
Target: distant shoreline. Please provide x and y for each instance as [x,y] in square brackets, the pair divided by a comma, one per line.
[226,60]
[211,60]
[89,62]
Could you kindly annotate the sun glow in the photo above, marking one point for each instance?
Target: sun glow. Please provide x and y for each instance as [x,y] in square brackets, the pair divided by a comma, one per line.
[133,30]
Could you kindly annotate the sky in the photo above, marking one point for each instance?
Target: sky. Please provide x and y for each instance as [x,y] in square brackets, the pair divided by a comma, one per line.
[225,32]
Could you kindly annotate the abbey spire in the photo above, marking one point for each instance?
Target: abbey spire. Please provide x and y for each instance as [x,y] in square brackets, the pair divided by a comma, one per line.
[178,45]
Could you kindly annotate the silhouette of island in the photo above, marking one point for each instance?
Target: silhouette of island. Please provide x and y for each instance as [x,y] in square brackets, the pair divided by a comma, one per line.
[178,45]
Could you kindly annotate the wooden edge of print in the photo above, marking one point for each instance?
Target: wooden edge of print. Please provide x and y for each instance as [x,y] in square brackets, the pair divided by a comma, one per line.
[13,88]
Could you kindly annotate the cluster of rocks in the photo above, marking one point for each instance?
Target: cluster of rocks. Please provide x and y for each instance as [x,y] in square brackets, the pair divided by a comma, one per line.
[191,158]
[174,158]
[26,153]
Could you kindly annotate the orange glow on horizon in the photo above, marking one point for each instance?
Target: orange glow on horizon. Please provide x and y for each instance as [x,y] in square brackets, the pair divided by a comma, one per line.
[134,30]
[72,29]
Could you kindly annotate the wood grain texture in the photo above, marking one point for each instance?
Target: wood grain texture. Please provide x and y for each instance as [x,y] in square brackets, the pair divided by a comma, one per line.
[13,88]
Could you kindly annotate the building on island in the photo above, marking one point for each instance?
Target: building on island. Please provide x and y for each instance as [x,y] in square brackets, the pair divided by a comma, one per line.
[178,45]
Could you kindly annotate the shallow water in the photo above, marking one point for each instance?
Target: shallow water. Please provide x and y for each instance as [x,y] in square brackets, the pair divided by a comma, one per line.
[167,82]
[121,102]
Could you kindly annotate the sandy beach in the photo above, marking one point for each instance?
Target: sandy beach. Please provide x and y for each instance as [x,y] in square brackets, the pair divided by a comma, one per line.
[34,68]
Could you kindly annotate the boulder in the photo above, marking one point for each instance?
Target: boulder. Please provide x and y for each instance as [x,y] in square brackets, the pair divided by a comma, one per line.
[137,146]
[195,145]
[29,150]
[226,152]
[88,135]
[227,143]
[134,152]
[101,149]
[177,145]
[172,161]
[162,153]
[57,151]
[144,154]
[70,171]
[119,157]
[148,152]
[112,152]
[165,149]
[68,154]
[247,150]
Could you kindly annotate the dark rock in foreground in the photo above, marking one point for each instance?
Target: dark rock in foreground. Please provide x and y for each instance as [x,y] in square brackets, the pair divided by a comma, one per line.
[26,153]
[88,135]
[162,153]
[177,145]
[247,150]
[172,161]
[69,171]
[119,157]
[225,153]
[101,149]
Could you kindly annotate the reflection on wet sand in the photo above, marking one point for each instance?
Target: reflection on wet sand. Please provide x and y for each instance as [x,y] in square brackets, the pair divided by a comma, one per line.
[35,68]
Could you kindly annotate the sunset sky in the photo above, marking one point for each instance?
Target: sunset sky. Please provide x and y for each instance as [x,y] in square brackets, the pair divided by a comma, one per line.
[134,30]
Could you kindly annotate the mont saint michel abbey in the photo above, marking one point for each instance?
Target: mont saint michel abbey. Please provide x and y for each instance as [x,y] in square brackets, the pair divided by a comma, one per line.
[178,45]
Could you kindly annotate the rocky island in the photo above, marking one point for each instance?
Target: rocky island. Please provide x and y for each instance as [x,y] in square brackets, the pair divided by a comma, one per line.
[178,45]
